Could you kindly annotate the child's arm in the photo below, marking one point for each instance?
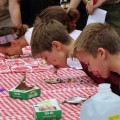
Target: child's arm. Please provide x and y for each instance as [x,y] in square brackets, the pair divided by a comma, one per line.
[73,4]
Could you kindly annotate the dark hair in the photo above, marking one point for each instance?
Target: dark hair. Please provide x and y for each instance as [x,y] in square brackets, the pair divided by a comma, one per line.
[59,14]
[18,31]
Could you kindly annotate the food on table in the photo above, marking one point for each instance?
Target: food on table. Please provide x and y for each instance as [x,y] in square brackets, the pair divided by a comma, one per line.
[75,100]
[11,57]
[54,80]
[23,86]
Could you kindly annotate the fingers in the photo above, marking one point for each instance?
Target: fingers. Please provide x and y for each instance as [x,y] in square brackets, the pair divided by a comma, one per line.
[90,7]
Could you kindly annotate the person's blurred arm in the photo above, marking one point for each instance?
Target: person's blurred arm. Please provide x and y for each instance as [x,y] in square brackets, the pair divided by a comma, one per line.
[15,13]
[73,4]
[91,7]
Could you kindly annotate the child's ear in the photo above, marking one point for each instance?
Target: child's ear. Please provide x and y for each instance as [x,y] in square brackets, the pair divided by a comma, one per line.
[14,43]
[56,45]
[102,53]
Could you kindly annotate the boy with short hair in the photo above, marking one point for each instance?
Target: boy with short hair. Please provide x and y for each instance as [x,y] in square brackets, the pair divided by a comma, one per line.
[98,46]
[52,42]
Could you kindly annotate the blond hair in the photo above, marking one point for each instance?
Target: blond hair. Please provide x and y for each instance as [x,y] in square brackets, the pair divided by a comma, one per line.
[45,32]
[98,35]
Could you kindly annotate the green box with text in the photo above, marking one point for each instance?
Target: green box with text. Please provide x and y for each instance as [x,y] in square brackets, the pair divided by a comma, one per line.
[24,94]
[47,110]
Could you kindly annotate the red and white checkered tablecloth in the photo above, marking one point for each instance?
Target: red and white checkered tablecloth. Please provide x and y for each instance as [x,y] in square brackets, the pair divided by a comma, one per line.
[15,109]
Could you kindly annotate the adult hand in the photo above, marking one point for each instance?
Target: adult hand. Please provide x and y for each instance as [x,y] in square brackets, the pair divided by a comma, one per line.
[93,4]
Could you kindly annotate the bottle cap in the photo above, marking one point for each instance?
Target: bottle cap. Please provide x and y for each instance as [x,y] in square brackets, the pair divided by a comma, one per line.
[104,87]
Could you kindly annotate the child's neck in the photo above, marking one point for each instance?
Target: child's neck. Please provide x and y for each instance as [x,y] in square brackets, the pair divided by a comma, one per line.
[115,63]
[68,49]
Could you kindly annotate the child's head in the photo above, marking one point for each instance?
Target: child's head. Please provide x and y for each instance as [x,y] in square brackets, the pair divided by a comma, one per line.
[8,40]
[56,12]
[51,41]
[94,47]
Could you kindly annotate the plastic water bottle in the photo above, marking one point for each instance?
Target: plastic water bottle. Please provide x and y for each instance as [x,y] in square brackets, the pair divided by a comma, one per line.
[105,105]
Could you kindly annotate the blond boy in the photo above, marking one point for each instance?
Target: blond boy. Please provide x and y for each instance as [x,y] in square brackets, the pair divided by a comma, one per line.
[98,47]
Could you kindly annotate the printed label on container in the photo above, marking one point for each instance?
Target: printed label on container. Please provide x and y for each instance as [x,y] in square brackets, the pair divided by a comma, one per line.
[114,117]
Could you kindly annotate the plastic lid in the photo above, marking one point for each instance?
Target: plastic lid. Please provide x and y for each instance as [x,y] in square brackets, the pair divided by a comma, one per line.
[104,87]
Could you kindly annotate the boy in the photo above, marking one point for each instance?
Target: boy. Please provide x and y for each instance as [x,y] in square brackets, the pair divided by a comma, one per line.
[52,42]
[98,47]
